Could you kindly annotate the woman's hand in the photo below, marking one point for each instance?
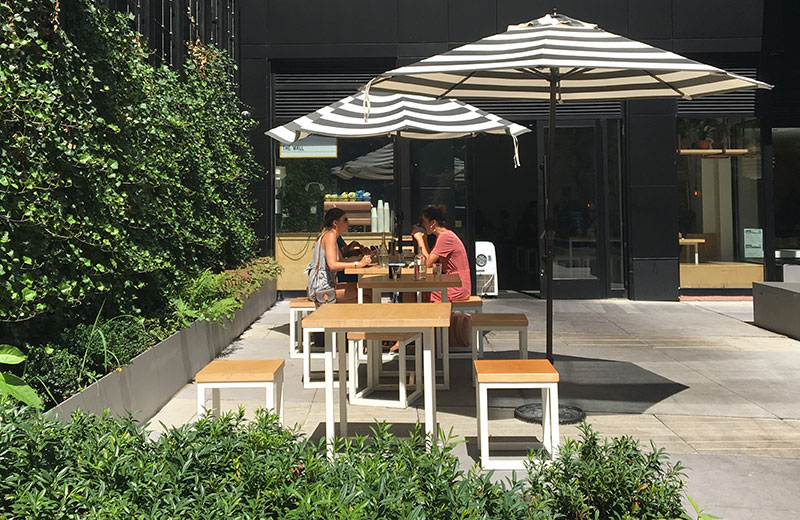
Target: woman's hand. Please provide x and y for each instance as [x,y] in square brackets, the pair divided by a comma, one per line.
[365,261]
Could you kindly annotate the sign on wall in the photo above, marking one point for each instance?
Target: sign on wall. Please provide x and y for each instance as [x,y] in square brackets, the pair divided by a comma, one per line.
[313,146]
[753,243]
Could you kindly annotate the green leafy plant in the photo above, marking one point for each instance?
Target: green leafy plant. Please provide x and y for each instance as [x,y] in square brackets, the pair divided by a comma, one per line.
[118,178]
[12,385]
[603,479]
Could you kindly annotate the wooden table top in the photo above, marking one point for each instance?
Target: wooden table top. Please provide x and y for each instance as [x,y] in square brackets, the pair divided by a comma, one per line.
[430,283]
[362,316]
[690,241]
[374,269]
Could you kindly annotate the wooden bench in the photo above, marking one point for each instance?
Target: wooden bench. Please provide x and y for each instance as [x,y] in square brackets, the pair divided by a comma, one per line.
[484,322]
[472,305]
[497,374]
[374,342]
[241,373]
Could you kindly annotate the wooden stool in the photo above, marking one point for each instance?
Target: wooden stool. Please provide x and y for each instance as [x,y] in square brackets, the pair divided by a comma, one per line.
[486,322]
[472,305]
[241,373]
[493,374]
[298,307]
[375,360]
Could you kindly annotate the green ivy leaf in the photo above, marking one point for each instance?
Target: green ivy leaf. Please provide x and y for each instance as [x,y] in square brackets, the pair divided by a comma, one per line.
[11,355]
[16,388]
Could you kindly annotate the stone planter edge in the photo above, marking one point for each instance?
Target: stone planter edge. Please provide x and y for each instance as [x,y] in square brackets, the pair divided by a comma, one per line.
[157,374]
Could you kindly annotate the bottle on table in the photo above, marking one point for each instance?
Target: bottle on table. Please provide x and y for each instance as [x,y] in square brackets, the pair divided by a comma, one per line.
[383,253]
[420,267]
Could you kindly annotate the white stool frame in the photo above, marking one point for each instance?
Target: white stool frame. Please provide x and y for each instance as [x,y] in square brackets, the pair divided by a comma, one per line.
[274,394]
[549,426]
[477,338]
[308,356]
[296,315]
[374,362]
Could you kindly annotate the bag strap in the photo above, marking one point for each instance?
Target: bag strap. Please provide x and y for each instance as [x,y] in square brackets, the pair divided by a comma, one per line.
[319,248]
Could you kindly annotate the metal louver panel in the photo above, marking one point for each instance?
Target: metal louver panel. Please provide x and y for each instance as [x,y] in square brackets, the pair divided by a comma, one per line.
[523,109]
[298,94]
[739,103]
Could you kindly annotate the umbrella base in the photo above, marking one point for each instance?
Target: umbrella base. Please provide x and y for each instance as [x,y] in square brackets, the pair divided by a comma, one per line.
[532,413]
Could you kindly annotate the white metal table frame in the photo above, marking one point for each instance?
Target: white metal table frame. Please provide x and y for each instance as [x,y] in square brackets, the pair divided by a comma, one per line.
[550,437]
[274,393]
[340,335]
[296,315]
[444,339]
[374,362]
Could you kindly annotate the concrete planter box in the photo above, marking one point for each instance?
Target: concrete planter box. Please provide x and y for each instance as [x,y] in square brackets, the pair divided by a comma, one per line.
[776,307]
[154,376]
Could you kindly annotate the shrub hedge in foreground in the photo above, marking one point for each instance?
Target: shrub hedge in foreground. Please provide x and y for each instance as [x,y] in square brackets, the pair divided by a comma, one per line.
[102,467]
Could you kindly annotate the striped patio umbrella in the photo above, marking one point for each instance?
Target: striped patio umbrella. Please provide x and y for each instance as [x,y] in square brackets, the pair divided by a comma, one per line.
[400,115]
[557,58]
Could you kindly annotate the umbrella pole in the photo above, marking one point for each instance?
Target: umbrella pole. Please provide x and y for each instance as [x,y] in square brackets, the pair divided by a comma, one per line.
[549,224]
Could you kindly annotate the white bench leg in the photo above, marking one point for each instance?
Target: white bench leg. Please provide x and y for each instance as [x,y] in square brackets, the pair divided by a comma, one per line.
[292,333]
[341,341]
[270,391]
[201,399]
[483,423]
[555,435]
[401,372]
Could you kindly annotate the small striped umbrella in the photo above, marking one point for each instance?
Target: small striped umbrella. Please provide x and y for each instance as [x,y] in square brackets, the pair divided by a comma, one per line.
[557,58]
[409,116]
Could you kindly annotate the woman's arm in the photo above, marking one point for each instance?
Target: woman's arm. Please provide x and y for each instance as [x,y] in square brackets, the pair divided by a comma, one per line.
[430,258]
[332,255]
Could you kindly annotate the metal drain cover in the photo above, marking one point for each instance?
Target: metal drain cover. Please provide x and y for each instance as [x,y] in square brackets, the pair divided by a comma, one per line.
[532,413]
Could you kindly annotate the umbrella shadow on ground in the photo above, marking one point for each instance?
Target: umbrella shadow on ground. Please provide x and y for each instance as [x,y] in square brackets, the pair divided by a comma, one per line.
[283,329]
[596,385]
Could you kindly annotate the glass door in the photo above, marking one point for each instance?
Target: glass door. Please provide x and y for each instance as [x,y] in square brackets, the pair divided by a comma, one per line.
[581,257]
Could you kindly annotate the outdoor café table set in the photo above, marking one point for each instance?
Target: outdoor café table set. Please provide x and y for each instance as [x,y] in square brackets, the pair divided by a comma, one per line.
[338,319]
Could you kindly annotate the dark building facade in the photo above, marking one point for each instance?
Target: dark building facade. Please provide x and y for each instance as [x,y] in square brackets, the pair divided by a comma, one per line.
[653,197]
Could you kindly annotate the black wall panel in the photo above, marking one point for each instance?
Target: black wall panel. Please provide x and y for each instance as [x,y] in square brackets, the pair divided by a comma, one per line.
[655,279]
[653,230]
[471,20]
[717,19]
[610,15]
[652,161]
[324,21]
[253,86]
[650,19]
[253,22]
[422,21]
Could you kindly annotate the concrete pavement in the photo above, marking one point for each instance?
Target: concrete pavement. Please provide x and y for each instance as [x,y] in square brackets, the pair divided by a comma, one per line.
[716,392]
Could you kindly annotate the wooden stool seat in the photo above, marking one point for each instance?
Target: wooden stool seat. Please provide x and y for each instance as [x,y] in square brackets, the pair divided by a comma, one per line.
[503,374]
[484,322]
[239,370]
[499,320]
[474,303]
[515,371]
[241,373]
[301,302]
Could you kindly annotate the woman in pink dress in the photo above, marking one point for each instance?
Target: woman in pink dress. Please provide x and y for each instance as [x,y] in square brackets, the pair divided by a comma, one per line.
[448,250]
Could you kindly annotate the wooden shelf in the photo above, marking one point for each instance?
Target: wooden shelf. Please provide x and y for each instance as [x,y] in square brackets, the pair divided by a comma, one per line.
[713,151]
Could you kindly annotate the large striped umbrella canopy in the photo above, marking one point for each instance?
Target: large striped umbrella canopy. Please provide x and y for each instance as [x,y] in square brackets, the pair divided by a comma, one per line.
[414,117]
[589,64]
[560,59]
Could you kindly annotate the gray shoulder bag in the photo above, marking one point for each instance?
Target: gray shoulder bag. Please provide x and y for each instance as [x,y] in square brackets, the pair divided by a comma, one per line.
[319,288]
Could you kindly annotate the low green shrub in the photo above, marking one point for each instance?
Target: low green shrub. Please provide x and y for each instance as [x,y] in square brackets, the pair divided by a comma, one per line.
[596,478]
[103,467]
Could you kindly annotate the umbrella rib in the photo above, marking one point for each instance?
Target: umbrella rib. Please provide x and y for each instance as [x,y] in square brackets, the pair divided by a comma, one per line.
[538,74]
[683,95]
[443,94]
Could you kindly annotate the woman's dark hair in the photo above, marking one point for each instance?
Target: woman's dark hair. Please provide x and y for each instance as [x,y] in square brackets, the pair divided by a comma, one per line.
[435,213]
[331,216]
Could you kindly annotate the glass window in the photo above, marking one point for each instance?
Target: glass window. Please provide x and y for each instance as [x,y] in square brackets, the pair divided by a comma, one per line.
[438,170]
[361,168]
[719,175]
